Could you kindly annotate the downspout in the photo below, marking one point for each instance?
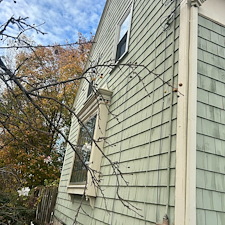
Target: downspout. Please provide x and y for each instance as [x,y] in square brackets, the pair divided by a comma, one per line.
[185,189]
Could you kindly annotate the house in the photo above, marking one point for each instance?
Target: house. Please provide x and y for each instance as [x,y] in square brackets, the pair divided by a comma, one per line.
[158,121]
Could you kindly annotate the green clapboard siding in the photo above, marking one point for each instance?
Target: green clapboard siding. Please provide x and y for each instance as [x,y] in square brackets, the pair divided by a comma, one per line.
[146,110]
[211,124]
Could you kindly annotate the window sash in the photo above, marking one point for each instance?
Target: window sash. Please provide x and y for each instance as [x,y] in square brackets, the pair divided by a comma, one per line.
[123,33]
[121,47]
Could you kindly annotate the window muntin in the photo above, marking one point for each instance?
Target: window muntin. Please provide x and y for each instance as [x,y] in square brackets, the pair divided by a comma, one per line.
[84,145]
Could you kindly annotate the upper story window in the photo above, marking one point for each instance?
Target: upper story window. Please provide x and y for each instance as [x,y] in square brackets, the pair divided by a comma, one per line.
[123,35]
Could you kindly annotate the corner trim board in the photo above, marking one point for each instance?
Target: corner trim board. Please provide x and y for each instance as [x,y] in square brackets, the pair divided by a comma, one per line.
[185,192]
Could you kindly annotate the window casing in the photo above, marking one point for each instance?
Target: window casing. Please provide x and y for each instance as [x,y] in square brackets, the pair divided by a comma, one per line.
[83,148]
[94,114]
[123,35]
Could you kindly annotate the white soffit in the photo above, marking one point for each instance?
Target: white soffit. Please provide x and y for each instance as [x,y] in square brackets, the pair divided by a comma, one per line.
[213,9]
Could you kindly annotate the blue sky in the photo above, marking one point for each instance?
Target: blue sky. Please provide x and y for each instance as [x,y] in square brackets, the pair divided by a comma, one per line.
[62,19]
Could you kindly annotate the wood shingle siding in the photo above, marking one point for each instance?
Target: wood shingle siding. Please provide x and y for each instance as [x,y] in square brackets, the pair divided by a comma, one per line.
[146,132]
[211,123]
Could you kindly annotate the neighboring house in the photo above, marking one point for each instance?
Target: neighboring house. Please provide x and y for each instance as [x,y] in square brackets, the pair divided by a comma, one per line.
[163,120]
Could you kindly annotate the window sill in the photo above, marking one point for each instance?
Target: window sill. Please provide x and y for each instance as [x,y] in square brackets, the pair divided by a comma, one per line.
[121,57]
[77,189]
[117,63]
[82,189]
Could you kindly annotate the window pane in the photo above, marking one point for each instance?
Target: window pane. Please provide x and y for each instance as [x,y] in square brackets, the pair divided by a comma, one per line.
[79,173]
[124,26]
[90,88]
[123,35]
[121,47]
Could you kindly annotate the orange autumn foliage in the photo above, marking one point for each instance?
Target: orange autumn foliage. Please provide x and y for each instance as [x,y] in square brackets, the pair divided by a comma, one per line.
[28,131]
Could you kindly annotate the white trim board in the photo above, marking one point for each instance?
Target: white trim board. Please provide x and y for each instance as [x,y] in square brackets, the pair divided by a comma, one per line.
[185,192]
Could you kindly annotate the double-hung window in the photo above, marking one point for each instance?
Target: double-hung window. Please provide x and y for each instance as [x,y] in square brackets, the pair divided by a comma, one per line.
[123,35]
[83,149]
[89,145]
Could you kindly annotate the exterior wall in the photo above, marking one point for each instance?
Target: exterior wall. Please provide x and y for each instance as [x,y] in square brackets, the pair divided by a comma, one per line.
[211,123]
[143,141]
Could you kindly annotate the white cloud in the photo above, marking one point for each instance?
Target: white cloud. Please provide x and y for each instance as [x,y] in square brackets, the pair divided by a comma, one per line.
[62,19]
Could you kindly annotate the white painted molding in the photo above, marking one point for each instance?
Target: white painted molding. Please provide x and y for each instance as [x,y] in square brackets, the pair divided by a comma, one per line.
[185,192]
[182,114]
[95,104]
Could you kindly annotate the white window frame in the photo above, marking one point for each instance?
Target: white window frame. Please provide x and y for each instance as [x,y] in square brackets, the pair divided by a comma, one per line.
[91,107]
[128,12]
[81,150]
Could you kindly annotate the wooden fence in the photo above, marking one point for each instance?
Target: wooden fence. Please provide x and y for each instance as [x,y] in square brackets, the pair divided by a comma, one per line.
[45,208]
